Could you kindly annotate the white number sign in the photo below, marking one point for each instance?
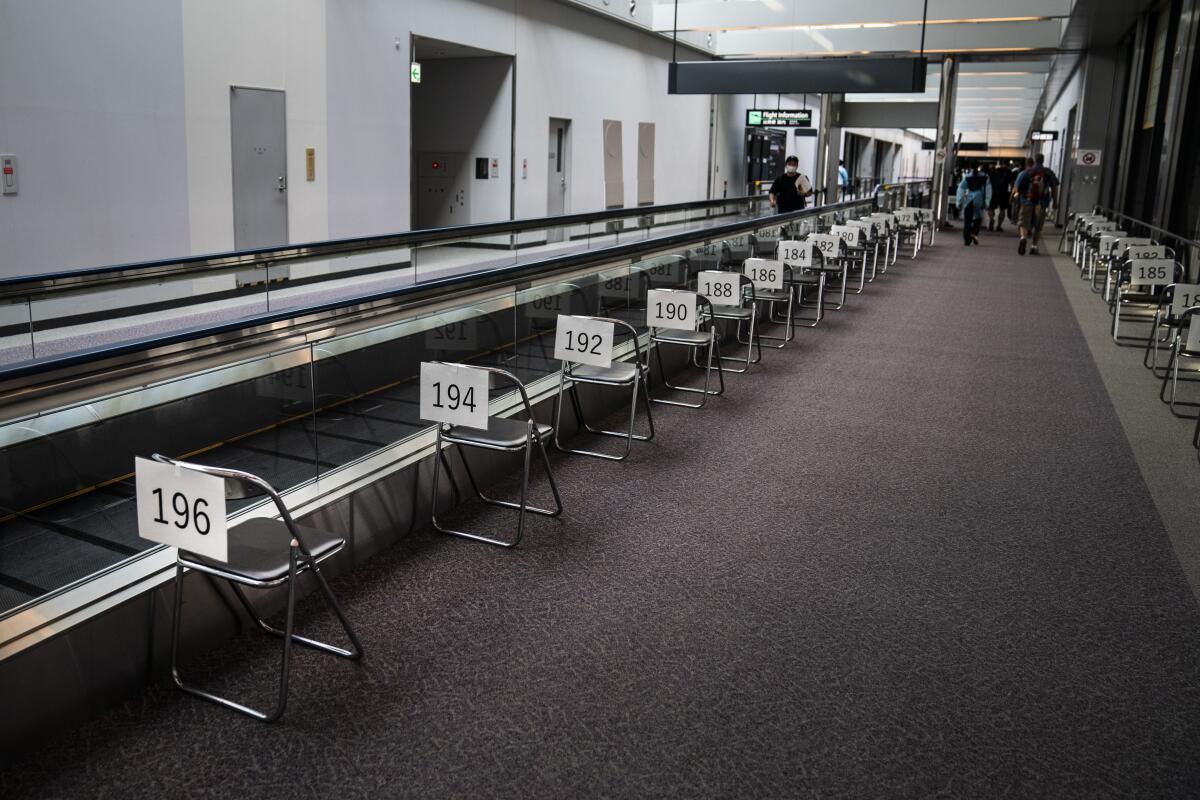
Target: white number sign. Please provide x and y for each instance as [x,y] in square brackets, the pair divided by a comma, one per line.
[1143,252]
[798,254]
[582,340]
[670,309]
[766,273]
[454,394]
[848,233]
[1186,295]
[721,288]
[182,508]
[827,243]
[1149,272]
[1104,226]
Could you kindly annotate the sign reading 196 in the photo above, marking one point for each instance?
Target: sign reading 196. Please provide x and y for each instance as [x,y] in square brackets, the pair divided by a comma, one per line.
[181,507]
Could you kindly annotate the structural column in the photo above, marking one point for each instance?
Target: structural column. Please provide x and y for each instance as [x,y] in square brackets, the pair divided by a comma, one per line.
[944,148]
[829,146]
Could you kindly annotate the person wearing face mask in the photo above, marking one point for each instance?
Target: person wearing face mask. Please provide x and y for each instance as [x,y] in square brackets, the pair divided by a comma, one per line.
[790,189]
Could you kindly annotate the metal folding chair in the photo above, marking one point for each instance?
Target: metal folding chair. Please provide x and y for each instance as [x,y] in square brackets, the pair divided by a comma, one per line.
[506,435]
[1135,302]
[695,340]
[1185,345]
[1167,320]
[263,553]
[805,268]
[772,298]
[834,262]
[742,312]
[632,374]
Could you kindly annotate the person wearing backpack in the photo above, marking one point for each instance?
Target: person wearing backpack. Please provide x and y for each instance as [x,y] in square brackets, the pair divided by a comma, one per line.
[1035,187]
[790,189]
[974,195]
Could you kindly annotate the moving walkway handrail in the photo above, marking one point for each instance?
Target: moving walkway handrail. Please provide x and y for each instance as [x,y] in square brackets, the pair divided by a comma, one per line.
[1192,246]
[16,375]
[74,279]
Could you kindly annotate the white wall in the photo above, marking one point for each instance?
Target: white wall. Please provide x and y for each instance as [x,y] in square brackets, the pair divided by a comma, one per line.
[731,137]
[91,103]
[910,153]
[268,44]
[476,123]
[119,115]
[1056,119]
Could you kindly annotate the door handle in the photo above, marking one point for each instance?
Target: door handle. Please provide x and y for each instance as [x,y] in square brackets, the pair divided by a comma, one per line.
[282,184]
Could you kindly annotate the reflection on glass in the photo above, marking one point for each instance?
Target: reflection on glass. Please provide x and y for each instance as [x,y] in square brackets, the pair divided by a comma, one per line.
[69,321]
[16,332]
[67,506]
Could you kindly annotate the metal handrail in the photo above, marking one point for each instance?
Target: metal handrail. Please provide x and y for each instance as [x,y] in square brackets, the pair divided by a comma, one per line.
[74,279]
[18,374]
[1192,246]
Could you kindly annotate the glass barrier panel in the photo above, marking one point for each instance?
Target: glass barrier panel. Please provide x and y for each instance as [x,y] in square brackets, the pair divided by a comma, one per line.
[134,307]
[67,503]
[367,383]
[16,331]
[445,259]
[328,280]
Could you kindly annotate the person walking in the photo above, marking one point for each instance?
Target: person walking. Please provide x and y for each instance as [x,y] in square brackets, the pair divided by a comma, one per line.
[974,195]
[1001,178]
[843,179]
[1036,189]
[790,189]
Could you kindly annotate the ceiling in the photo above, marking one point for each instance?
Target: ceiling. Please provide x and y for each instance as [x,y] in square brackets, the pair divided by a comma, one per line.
[1006,45]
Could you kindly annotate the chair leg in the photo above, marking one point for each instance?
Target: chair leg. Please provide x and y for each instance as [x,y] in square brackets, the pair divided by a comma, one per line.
[522,506]
[705,392]
[630,436]
[285,664]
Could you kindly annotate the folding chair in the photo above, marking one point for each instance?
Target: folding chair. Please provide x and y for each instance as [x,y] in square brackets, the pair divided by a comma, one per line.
[772,298]
[701,337]
[909,226]
[834,261]
[1185,345]
[741,310]
[1174,300]
[506,435]
[1137,294]
[805,267]
[871,236]
[263,553]
[632,374]
[855,252]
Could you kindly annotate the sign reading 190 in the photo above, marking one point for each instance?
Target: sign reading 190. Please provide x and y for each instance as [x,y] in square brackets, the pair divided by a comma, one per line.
[667,308]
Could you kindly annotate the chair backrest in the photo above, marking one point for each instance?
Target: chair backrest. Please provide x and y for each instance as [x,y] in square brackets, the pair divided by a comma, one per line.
[830,245]
[852,236]
[243,485]
[804,254]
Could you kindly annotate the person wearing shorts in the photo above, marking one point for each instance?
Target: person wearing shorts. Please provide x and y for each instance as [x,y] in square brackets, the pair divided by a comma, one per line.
[1035,187]
[1001,177]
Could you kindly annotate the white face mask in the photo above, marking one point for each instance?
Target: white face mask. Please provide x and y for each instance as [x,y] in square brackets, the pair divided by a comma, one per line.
[790,170]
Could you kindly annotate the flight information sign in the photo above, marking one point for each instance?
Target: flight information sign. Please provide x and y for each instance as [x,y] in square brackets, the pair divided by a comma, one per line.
[1044,136]
[768,118]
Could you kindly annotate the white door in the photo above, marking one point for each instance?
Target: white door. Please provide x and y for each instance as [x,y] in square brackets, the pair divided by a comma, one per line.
[258,125]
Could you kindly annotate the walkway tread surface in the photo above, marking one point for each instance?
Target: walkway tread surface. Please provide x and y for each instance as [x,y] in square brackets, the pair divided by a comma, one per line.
[912,557]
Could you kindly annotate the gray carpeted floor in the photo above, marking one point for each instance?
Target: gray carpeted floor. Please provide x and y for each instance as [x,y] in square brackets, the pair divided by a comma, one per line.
[911,557]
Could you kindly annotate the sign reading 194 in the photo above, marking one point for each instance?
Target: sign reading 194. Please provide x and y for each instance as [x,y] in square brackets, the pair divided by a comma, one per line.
[454,394]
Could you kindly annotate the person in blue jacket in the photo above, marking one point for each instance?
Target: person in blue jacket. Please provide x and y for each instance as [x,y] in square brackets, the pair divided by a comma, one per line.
[974,195]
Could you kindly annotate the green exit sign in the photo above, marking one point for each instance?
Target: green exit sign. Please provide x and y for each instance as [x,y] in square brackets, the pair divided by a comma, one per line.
[770,118]
[415,72]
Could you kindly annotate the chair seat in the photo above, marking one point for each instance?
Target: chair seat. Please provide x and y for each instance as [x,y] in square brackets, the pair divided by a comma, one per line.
[731,312]
[258,549]
[804,278]
[671,336]
[776,295]
[501,432]
[619,372]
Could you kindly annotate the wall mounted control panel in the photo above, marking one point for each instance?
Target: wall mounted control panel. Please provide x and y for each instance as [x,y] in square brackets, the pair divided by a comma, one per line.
[8,174]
